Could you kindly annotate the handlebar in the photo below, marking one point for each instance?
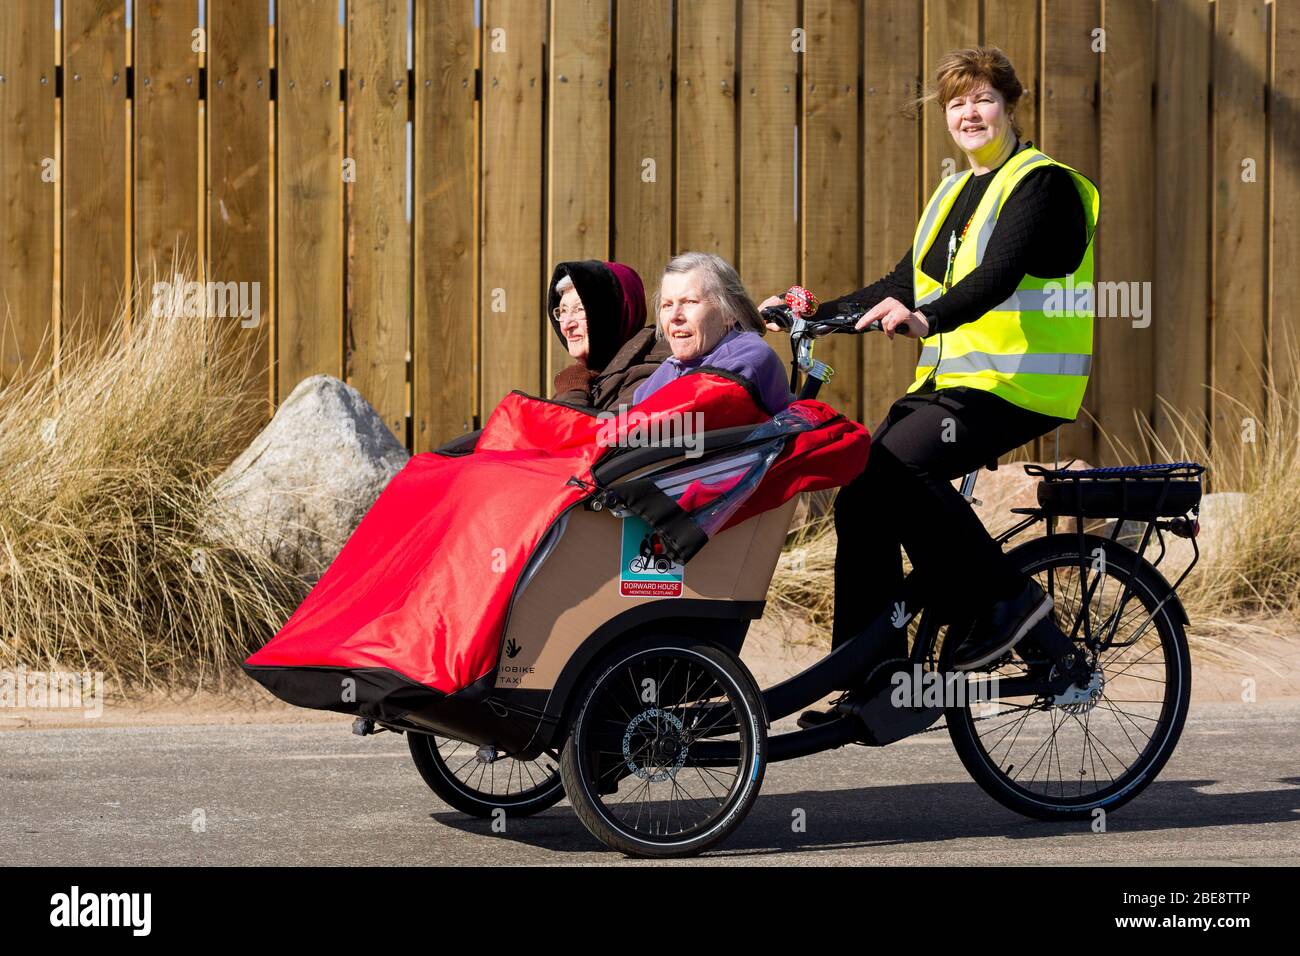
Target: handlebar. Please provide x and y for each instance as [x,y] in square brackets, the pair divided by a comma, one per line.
[795,315]
[783,316]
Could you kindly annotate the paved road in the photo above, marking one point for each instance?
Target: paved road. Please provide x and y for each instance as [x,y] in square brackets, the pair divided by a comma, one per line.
[313,793]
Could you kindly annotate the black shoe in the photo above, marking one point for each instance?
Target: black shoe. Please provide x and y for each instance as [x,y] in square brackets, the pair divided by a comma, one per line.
[841,710]
[849,704]
[1002,627]
[817,718]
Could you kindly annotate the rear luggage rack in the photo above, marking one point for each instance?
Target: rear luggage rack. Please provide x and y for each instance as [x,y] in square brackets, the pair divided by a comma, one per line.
[1140,492]
[1160,497]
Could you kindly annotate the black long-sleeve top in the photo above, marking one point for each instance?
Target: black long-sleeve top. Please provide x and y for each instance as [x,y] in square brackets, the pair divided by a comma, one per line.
[1040,231]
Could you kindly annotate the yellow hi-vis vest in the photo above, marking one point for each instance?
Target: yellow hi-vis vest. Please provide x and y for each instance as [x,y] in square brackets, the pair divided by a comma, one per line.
[1034,349]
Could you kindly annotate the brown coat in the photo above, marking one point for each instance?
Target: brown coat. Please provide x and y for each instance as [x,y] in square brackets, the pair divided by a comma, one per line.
[614,384]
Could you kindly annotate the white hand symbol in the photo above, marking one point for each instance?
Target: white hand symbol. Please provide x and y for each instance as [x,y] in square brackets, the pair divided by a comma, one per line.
[900,616]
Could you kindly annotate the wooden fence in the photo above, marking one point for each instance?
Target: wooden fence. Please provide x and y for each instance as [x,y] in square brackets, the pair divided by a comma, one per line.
[777,133]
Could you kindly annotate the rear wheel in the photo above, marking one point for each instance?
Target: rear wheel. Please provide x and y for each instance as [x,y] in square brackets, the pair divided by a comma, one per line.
[464,777]
[1063,757]
[667,753]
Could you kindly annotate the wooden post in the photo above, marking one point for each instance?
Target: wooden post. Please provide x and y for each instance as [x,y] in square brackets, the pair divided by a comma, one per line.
[28,181]
[377,296]
[446,223]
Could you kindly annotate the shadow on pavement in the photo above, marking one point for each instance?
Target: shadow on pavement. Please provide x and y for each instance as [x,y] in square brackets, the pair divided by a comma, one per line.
[919,814]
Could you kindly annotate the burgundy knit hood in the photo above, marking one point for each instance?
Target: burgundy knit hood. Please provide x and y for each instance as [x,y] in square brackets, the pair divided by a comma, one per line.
[614,298]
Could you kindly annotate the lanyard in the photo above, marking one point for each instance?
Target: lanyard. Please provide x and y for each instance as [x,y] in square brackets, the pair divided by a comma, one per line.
[954,243]
[954,240]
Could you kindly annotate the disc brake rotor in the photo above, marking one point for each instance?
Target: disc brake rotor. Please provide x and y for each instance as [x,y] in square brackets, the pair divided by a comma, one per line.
[654,739]
[1079,700]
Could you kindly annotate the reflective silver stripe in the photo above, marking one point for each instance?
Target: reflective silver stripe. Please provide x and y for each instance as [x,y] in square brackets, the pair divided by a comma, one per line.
[944,188]
[1034,363]
[982,241]
[1061,299]
[986,231]
[926,225]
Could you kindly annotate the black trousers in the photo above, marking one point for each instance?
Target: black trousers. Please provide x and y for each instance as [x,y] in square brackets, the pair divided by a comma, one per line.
[905,497]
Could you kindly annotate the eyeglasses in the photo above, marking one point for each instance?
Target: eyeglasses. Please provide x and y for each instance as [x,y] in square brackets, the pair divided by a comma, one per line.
[577,312]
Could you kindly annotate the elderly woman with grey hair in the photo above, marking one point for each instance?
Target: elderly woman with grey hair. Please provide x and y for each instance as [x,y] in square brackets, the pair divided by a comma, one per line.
[706,316]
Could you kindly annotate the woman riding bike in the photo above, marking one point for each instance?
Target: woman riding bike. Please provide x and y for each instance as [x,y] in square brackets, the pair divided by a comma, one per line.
[999,365]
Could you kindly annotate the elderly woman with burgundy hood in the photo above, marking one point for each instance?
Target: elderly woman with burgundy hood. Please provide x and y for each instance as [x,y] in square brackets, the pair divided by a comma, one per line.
[598,310]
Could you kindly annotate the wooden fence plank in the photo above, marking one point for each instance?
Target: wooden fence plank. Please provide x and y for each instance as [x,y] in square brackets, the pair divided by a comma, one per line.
[643,137]
[95,227]
[768,117]
[379,266]
[832,200]
[27,188]
[706,127]
[1181,310]
[1124,340]
[1071,69]
[512,288]
[891,187]
[1014,27]
[1238,323]
[949,25]
[239,170]
[578,145]
[165,117]
[309,193]
[1284,113]
[446,210]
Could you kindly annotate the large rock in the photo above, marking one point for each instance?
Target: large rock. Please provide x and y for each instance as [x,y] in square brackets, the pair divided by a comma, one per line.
[300,489]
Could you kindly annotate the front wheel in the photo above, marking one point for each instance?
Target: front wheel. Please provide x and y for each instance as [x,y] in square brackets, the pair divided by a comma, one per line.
[1064,757]
[668,750]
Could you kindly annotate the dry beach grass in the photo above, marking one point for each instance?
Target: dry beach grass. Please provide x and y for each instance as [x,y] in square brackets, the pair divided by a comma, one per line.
[105,464]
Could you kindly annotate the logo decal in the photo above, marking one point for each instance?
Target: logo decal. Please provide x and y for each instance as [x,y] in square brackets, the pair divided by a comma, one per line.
[900,616]
[645,570]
